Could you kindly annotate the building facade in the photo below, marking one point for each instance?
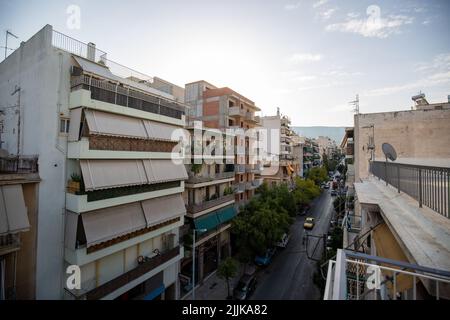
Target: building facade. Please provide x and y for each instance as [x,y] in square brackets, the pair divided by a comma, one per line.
[110,197]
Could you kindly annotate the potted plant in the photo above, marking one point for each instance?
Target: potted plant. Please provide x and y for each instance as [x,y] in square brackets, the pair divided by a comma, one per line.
[74,185]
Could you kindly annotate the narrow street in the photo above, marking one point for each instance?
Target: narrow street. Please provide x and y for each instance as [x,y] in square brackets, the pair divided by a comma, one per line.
[290,275]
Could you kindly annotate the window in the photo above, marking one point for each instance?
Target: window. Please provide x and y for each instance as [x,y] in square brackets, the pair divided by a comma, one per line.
[64,125]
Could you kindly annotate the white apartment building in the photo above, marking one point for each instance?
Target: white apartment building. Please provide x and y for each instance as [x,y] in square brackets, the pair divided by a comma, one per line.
[109,198]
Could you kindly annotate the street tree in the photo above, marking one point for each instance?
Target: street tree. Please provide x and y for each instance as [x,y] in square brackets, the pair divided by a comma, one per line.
[227,269]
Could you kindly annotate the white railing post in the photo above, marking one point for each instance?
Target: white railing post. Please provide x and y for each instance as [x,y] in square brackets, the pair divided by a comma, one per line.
[340,276]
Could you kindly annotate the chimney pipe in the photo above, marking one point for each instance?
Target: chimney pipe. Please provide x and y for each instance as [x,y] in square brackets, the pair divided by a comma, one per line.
[91,51]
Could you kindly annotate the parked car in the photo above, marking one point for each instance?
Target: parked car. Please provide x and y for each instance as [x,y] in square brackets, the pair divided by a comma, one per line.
[245,287]
[309,223]
[303,211]
[265,259]
[327,186]
[333,193]
[284,241]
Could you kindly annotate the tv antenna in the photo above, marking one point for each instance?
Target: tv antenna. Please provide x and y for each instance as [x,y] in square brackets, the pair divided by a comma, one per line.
[8,33]
[389,153]
[355,104]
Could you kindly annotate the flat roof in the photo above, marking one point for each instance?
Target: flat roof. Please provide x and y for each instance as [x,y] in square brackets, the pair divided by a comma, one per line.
[423,233]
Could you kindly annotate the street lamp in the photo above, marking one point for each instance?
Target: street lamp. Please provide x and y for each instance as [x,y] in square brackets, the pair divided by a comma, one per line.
[193,260]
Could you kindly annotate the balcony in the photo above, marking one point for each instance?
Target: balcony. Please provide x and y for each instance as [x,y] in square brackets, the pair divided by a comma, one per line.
[239,168]
[359,276]
[9,243]
[217,178]
[239,187]
[250,186]
[109,287]
[236,112]
[257,182]
[205,205]
[19,164]
[104,91]
[428,185]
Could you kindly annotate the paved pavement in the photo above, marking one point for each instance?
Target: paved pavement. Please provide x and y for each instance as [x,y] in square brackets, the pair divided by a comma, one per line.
[290,275]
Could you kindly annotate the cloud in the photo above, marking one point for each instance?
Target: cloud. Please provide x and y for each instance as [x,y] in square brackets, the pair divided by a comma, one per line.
[325,15]
[319,3]
[292,6]
[297,58]
[429,81]
[372,26]
[440,63]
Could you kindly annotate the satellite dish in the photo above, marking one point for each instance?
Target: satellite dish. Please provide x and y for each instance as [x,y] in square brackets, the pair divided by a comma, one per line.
[389,151]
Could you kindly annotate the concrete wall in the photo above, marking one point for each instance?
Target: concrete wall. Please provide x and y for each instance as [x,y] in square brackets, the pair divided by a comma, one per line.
[42,74]
[414,134]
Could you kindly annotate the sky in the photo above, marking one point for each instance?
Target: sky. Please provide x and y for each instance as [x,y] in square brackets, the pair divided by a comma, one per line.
[309,57]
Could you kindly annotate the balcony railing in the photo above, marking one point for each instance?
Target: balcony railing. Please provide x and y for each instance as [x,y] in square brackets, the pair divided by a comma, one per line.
[212,177]
[106,91]
[194,208]
[127,277]
[19,164]
[239,187]
[236,111]
[358,276]
[430,186]
[239,168]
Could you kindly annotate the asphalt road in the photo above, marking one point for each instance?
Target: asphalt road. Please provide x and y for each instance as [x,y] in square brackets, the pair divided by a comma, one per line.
[290,275]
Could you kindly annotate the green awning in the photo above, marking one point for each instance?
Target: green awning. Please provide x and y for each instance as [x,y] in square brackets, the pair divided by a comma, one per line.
[208,222]
[226,214]
[215,218]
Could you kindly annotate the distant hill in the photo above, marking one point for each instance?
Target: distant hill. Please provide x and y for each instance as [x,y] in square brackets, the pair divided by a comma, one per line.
[335,133]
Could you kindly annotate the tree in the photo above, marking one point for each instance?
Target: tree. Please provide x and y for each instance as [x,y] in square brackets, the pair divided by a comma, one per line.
[339,204]
[318,175]
[227,269]
[305,191]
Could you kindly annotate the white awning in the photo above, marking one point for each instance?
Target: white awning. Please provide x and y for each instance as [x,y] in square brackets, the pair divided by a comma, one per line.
[104,123]
[75,124]
[163,209]
[13,212]
[94,68]
[164,170]
[105,174]
[71,226]
[106,224]
[110,124]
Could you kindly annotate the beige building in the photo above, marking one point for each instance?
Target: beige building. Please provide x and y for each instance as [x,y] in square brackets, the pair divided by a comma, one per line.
[397,221]
[224,108]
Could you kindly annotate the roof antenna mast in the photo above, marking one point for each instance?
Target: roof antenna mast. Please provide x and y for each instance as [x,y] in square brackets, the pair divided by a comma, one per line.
[355,104]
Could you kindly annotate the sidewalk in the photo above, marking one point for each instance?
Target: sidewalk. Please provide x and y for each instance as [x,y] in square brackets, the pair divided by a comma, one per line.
[214,288]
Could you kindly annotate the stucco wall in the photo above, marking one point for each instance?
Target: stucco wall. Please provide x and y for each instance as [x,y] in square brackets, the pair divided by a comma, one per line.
[42,74]
[413,133]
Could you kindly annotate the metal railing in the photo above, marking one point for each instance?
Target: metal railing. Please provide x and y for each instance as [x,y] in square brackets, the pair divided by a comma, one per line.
[19,164]
[212,177]
[127,97]
[430,186]
[69,44]
[194,208]
[359,276]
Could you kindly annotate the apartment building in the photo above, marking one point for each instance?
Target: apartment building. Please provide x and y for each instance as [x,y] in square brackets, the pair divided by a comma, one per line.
[397,227]
[327,146]
[282,159]
[109,199]
[210,201]
[19,180]
[224,108]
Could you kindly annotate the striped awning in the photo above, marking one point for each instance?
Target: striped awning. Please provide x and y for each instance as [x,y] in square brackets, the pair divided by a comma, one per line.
[110,124]
[105,174]
[163,209]
[109,223]
[13,212]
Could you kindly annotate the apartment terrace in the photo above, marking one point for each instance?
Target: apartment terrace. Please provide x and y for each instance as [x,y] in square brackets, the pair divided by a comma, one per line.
[110,82]
[208,204]
[148,264]
[212,178]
